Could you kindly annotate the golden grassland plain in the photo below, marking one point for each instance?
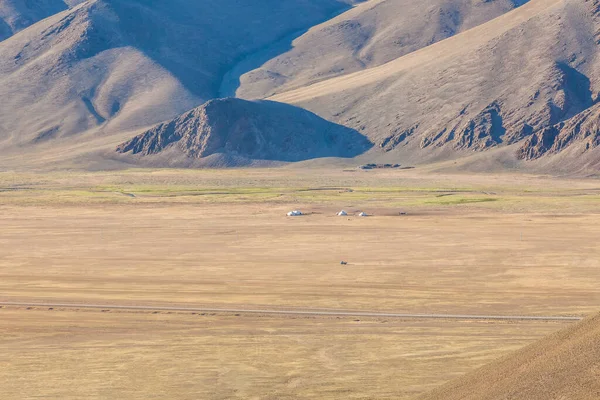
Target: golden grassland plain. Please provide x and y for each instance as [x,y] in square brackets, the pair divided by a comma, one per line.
[468,244]
[119,355]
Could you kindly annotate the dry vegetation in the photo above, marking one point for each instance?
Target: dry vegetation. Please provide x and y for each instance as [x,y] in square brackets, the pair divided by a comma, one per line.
[72,355]
[499,244]
[565,365]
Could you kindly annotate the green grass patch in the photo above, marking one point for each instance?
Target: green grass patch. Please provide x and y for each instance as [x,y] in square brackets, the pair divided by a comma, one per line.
[458,200]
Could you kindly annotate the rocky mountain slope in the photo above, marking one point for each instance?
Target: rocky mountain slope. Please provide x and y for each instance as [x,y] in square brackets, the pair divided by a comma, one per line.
[565,365]
[245,131]
[16,15]
[371,34]
[434,81]
[582,129]
[518,79]
[105,67]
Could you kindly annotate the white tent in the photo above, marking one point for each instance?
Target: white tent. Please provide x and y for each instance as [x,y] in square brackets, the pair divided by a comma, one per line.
[363,214]
[342,213]
[294,213]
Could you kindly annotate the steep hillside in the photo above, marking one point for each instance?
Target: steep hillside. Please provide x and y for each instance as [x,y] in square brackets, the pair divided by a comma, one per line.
[491,86]
[565,365]
[369,35]
[582,129]
[244,131]
[16,15]
[524,84]
[113,65]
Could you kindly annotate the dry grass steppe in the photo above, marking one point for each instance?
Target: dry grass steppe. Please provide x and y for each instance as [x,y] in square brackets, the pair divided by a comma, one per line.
[564,365]
[96,355]
[220,239]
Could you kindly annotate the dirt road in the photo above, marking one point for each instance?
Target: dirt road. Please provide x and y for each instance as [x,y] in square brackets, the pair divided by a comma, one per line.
[325,313]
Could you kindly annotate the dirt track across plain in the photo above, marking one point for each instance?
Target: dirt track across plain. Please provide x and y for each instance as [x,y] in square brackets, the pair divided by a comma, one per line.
[326,313]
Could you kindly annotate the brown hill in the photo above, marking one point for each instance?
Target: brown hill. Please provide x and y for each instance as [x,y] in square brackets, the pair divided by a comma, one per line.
[563,366]
[524,86]
[103,68]
[492,86]
[371,34]
[244,131]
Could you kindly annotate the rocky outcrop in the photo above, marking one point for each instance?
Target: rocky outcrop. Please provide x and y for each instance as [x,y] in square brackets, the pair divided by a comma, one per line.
[484,130]
[562,93]
[260,130]
[397,136]
[584,129]
[538,144]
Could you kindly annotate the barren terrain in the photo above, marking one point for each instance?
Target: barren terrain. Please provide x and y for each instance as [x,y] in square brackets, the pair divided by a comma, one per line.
[370,34]
[511,81]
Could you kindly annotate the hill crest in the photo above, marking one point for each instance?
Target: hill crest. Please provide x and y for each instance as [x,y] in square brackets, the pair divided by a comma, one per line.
[259,130]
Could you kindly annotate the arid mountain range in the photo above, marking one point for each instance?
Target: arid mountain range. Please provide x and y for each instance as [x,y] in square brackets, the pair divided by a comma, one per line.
[476,84]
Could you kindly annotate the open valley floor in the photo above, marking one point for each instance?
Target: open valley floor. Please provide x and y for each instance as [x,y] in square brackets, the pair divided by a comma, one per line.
[221,240]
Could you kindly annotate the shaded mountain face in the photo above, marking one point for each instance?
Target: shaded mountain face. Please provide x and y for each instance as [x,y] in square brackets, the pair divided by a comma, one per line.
[260,130]
[115,65]
[562,366]
[524,77]
[16,15]
[369,35]
[198,41]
